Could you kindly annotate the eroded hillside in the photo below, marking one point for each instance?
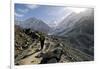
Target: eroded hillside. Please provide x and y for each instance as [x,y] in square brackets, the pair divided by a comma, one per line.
[56,49]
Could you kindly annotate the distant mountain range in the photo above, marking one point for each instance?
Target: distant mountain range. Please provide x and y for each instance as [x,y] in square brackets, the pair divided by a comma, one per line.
[74,21]
[34,24]
[78,29]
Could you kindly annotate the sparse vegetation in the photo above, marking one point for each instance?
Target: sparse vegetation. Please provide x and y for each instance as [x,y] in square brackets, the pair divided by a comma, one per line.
[74,43]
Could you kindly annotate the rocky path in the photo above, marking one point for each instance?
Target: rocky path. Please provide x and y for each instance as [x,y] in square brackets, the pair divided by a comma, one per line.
[54,51]
[28,56]
[31,59]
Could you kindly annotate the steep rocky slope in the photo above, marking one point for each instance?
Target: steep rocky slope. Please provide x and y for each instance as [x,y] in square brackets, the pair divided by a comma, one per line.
[79,31]
[56,49]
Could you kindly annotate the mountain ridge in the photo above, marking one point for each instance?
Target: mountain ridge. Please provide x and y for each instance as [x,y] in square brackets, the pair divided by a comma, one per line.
[34,24]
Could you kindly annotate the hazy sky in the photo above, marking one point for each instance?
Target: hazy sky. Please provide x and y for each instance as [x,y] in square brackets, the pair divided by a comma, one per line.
[49,14]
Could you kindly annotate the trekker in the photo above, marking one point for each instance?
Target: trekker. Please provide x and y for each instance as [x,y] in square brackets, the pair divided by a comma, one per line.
[41,39]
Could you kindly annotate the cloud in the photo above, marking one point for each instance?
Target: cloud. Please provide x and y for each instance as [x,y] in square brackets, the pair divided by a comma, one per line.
[59,15]
[57,12]
[77,10]
[32,6]
[18,14]
[22,10]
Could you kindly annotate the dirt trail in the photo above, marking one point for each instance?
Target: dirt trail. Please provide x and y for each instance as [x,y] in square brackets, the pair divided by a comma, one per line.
[31,59]
[28,56]
[70,54]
